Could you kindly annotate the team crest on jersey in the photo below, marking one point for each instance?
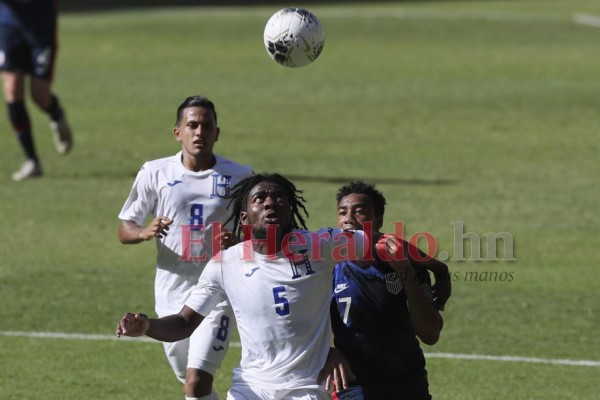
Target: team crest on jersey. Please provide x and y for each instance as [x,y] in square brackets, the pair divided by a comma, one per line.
[393,283]
[297,263]
[221,185]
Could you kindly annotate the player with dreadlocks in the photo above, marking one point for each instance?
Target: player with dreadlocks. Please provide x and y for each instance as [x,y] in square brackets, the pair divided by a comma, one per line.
[279,292]
[239,193]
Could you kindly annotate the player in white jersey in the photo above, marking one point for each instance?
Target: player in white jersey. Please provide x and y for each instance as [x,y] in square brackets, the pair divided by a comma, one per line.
[278,282]
[184,194]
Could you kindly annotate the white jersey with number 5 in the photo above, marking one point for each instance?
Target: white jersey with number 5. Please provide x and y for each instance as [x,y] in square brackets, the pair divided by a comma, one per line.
[192,199]
[281,306]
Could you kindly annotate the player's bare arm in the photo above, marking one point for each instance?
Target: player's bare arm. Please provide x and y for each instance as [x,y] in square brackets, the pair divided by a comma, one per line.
[442,288]
[426,319]
[171,328]
[131,233]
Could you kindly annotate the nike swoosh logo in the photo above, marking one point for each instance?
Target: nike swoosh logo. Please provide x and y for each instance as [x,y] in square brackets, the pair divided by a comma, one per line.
[174,183]
[215,348]
[249,274]
[340,288]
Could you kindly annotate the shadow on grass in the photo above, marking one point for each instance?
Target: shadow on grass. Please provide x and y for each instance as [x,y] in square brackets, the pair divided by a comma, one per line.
[98,5]
[380,180]
[130,175]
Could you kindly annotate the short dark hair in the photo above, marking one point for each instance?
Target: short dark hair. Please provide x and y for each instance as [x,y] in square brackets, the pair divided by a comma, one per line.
[238,199]
[360,187]
[195,101]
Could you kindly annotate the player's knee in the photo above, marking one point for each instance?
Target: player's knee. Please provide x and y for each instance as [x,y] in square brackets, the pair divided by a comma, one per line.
[13,84]
[40,93]
[198,383]
[41,99]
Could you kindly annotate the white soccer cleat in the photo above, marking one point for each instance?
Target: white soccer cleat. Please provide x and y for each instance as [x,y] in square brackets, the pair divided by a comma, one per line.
[63,141]
[30,169]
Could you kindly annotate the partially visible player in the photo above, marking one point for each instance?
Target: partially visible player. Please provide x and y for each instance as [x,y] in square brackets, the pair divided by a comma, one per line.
[28,45]
[378,312]
[183,193]
[278,282]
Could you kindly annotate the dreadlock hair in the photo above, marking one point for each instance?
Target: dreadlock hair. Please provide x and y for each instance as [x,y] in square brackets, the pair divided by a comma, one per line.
[360,187]
[238,200]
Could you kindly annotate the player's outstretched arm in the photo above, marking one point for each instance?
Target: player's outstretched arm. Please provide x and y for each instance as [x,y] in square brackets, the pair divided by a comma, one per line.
[171,328]
[131,233]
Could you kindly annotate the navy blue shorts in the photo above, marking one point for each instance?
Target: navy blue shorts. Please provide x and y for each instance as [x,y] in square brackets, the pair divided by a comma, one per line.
[32,51]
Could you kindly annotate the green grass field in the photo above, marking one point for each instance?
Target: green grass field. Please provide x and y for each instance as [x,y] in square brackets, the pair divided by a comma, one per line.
[483,112]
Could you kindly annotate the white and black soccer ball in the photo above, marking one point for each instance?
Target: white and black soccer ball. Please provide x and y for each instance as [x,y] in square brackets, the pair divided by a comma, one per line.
[294,37]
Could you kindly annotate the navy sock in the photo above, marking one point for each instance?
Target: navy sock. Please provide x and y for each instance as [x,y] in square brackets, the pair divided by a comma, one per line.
[54,109]
[17,113]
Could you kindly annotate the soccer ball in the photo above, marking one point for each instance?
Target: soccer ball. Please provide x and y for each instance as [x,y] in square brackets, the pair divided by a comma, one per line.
[294,37]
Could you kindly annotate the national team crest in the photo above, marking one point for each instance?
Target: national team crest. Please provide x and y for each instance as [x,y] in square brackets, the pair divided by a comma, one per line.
[221,185]
[296,263]
[393,283]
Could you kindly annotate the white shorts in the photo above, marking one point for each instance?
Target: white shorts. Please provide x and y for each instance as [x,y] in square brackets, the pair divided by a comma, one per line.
[247,392]
[206,348]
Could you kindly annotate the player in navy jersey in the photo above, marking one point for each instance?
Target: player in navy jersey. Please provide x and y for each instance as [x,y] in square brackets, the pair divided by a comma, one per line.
[379,312]
[184,195]
[28,45]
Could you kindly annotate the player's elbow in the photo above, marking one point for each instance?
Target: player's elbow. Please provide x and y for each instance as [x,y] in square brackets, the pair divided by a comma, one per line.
[126,234]
[430,338]
[431,334]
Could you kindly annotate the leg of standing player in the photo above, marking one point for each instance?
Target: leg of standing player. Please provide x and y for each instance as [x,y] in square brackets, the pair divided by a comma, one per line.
[208,346]
[43,48]
[14,83]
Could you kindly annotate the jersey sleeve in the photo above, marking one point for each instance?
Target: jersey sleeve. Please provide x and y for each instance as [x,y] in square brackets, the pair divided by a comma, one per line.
[142,198]
[209,291]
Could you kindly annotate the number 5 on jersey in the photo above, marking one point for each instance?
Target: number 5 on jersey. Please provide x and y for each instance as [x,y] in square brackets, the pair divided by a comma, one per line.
[283,306]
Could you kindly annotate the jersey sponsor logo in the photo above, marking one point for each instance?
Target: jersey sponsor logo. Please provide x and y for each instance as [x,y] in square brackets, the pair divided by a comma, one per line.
[340,288]
[249,274]
[300,260]
[175,182]
[393,283]
[221,185]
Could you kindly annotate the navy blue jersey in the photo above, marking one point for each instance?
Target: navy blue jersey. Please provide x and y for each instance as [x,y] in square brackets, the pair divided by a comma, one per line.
[372,328]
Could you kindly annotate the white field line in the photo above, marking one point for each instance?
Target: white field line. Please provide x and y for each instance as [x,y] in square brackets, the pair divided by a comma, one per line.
[82,336]
[586,19]
[480,357]
[535,360]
